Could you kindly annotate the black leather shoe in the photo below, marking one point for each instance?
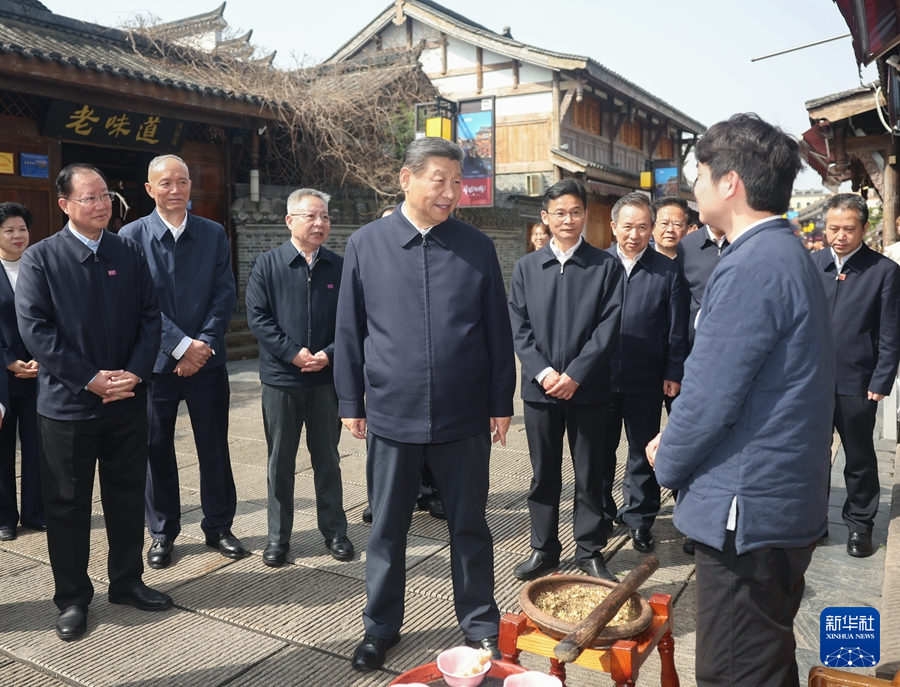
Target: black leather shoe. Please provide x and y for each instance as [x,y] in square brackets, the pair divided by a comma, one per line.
[534,566]
[595,567]
[367,514]
[341,548]
[72,622]
[488,644]
[859,545]
[642,540]
[276,554]
[227,544]
[369,655]
[688,546]
[434,507]
[160,554]
[8,534]
[36,528]
[143,598]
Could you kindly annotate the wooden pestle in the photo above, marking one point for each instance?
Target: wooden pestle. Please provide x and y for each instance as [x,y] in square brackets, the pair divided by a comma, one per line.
[581,637]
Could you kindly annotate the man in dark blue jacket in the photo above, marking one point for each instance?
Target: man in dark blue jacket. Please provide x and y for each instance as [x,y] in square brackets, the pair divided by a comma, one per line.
[292,299]
[190,261]
[565,303]
[647,364]
[863,291]
[87,312]
[701,250]
[425,371]
[748,444]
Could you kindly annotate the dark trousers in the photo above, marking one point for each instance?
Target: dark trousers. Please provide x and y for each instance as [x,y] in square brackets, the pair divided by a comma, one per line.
[206,394]
[117,445]
[460,470]
[745,615]
[21,419]
[854,419]
[640,491]
[545,426]
[286,409]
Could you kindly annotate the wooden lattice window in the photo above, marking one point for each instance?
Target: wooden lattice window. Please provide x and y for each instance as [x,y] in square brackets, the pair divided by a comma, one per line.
[631,133]
[586,115]
[22,105]
[203,133]
[665,149]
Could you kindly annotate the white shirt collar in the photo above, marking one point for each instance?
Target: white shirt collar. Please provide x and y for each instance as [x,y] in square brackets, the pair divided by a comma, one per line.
[311,258]
[718,240]
[627,262]
[423,232]
[176,231]
[750,226]
[563,256]
[839,262]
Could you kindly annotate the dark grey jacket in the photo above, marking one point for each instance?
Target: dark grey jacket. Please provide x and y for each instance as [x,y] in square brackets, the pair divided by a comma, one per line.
[423,348]
[289,307]
[566,317]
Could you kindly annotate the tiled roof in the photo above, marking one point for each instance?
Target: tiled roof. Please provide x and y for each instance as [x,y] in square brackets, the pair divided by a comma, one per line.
[38,34]
[834,97]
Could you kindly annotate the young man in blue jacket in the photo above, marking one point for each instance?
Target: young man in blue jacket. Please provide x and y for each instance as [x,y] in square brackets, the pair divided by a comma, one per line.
[863,292]
[748,444]
[565,304]
[292,297]
[190,260]
[647,364]
[425,372]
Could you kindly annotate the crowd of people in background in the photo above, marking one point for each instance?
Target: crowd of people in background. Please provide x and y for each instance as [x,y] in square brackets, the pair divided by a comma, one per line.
[756,351]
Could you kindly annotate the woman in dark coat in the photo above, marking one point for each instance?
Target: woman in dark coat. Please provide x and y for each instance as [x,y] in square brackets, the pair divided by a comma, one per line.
[21,411]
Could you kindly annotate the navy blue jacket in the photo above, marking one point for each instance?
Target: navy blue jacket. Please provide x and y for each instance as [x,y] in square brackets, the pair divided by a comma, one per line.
[193,280]
[11,342]
[566,317]
[699,259]
[289,307]
[423,347]
[754,417]
[865,320]
[81,312]
[653,339]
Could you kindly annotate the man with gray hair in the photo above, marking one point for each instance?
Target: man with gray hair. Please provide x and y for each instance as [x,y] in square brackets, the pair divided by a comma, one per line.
[292,297]
[425,373]
[863,290]
[190,261]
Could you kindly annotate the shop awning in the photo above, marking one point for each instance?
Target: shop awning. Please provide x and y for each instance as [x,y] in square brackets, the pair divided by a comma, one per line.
[874,24]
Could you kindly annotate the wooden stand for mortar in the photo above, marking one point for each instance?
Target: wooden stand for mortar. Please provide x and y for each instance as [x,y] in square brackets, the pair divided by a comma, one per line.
[622,660]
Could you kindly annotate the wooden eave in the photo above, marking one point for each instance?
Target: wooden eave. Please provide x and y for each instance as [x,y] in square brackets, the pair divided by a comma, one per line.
[67,82]
[846,107]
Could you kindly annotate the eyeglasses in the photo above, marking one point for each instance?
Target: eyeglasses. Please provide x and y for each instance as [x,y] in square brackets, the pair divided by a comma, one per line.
[93,200]
[310,217]
[560,216]
[674,225]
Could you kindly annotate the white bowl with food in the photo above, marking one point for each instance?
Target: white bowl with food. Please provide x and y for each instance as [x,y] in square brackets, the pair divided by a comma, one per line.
[463,666]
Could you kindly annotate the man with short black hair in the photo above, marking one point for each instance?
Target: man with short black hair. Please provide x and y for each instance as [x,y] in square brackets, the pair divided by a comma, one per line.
[748,444]
[425,372]
[670,226]
[863,288]
[87,311]
[190,260]
[565,304]
[292,297]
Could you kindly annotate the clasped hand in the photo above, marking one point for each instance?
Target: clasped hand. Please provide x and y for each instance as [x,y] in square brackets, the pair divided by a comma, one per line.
[113,385]
[193,359]
[307,362]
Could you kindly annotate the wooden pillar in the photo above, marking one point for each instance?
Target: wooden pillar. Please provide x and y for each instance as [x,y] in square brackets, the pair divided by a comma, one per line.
[515,73]
[891,190]
[409,32]
[555,123]
[479,70]
[443,53]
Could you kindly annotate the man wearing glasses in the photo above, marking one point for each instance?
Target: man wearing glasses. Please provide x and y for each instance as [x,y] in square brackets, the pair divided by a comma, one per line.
[565,303]
[670,227]
[190,261]
[87,309]
[292,299]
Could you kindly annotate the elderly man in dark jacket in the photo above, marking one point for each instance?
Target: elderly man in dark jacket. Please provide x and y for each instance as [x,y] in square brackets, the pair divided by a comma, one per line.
[748,444]
[425,371]
[292,299]
[863,291]
[87,311]
[565,304]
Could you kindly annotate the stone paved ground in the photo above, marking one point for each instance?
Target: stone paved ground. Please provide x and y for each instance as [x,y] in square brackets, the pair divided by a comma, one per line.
[241,623]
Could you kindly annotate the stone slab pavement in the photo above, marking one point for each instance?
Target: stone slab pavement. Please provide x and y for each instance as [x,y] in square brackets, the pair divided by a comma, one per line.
[240,623]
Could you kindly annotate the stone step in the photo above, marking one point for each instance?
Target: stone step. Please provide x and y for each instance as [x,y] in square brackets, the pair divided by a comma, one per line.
[238,323]
[242,338]
[243,352]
